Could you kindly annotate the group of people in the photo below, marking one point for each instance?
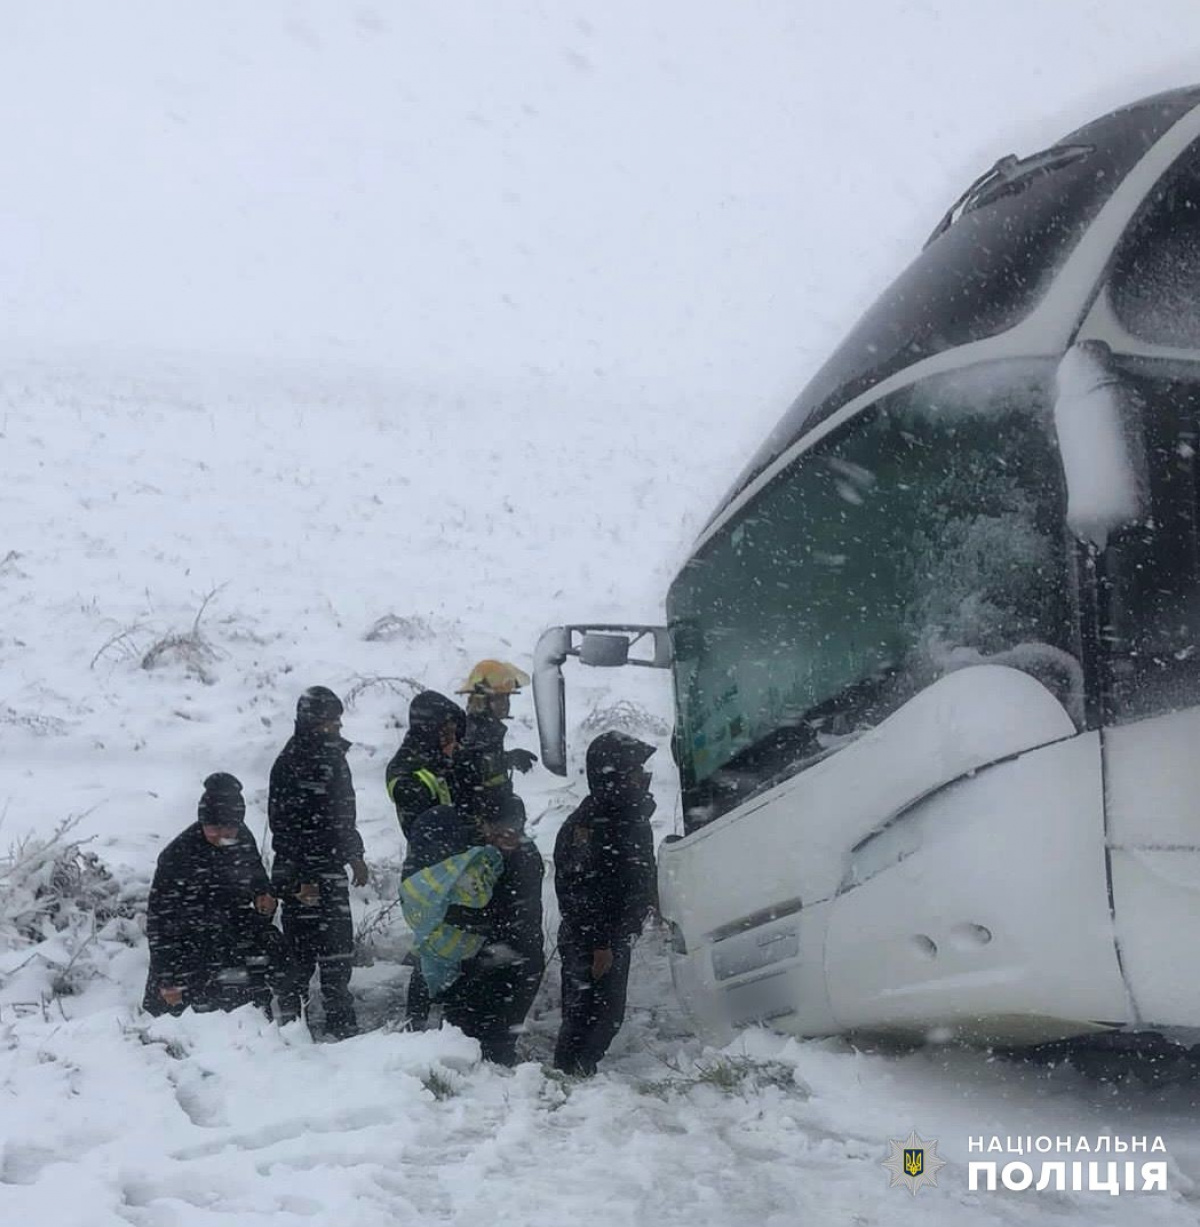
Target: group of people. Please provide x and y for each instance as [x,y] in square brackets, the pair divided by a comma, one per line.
[471,882]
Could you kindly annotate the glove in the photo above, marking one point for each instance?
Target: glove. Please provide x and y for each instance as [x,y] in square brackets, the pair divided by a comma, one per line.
[602,961]
[522,760]
[497,954]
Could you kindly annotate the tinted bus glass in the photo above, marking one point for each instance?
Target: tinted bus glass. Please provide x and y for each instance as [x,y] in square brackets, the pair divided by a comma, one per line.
[983,275]
[925,536]
[1153,571]
[1155,284]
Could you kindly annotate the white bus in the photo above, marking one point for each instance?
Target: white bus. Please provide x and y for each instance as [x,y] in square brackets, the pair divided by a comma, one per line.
[936,656]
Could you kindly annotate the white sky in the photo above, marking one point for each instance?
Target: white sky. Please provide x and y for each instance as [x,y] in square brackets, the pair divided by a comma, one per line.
[695,198]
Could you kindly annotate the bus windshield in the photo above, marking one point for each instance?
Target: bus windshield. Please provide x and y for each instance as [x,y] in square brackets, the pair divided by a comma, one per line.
[925,535]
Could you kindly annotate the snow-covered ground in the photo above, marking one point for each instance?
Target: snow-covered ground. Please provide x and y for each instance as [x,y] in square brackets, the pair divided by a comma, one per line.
[348,347]
[338,540]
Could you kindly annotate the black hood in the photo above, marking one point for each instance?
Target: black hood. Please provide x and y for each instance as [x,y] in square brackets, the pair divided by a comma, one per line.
[318,705]
[610,759]
[427,713]
[439,833]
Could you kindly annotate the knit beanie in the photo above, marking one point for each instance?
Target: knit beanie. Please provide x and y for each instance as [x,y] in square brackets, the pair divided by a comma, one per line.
[222,803]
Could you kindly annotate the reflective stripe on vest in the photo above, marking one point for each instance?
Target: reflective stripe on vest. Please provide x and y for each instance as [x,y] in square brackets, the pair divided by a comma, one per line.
[435,784]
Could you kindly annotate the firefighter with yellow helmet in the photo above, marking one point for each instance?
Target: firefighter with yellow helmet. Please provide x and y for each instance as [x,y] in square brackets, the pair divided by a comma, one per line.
[489,685]
[495,998]
[486,767]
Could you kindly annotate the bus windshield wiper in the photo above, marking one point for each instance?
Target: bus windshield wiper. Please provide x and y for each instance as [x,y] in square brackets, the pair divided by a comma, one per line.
[1010,174]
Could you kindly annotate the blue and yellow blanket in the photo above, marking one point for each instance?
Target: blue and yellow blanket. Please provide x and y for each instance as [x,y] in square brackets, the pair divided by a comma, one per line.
[467,879]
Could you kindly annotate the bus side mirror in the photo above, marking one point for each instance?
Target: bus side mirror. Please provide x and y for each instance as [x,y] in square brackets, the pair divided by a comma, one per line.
[1097,418]
[549,696]
[603,651]
[603,646]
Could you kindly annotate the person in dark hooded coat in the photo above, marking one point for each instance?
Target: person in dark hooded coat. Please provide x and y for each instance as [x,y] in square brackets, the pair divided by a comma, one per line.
[493,943]
[312,811]
[503,988]
[498,983]
[508,980]
[419,777]
[445,851]
[208,922]
[605,882]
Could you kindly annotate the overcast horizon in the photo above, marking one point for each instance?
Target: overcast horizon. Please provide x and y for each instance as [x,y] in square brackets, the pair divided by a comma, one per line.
[668,200]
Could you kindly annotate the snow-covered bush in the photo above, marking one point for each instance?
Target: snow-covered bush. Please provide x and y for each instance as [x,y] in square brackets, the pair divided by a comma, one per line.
[61,904]
[731,1075]
[409,628]
[624,716]
[380,931]
[405,687]
[191,649]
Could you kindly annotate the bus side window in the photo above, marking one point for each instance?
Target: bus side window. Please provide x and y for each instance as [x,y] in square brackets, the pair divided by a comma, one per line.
[1155,284]
[1152,571]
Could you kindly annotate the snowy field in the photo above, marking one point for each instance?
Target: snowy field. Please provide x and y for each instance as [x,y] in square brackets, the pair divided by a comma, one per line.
[131,501]
[341,347]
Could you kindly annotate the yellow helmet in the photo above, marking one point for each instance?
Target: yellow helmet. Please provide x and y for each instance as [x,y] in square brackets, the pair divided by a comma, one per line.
[494,677]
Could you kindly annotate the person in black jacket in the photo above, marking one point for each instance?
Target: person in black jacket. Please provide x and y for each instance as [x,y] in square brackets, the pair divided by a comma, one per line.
[442,832]
[419,774]
[507,987]
[212,943]
[419,777]
[495,985]
[604,878]
[503,991]
[483,766]
[312,812]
